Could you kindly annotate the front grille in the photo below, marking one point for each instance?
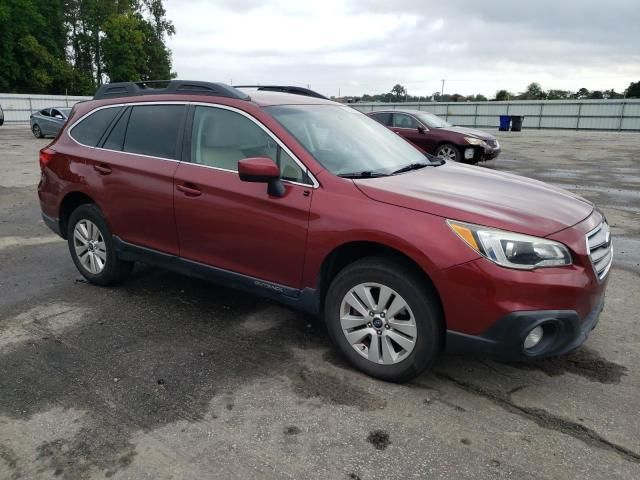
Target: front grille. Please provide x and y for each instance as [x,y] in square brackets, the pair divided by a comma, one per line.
[600,249]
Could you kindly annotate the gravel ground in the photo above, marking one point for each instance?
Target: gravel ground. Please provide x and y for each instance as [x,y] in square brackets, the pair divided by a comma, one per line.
[167,377]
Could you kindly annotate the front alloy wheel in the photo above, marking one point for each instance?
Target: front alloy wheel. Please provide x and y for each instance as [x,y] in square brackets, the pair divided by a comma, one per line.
[448,152]
[384,317]
[378,323]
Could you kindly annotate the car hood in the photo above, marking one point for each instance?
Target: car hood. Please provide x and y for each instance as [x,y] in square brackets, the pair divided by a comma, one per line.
[472,132]
[482,196]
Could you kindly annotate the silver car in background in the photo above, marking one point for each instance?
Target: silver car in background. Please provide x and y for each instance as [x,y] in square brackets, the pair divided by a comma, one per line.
[49,121]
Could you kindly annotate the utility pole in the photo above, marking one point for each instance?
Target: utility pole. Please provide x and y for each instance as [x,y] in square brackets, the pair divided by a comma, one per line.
[442,89]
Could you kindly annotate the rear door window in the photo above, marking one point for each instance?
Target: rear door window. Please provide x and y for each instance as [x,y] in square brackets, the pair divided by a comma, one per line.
[383,118]
[89,130]
[402,120]
[154,130]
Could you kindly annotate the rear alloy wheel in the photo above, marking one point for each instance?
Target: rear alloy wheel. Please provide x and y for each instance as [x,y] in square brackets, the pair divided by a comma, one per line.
[91,247]
[384,318]
[449,152]
[37,132]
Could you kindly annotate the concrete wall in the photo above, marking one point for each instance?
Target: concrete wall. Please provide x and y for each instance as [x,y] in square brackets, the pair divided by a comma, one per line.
[616,115]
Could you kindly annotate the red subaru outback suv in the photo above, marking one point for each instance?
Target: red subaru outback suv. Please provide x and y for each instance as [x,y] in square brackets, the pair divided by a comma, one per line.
[320,207]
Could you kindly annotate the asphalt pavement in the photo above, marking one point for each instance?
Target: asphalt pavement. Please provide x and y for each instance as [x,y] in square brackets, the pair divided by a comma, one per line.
[167,377]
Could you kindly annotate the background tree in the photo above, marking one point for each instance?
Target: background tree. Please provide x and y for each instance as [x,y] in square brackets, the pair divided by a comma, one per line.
[612,94]
[502,95]
[533,92]
[633,90]
[399,91]
[558,94]
[58,46]
[582,93]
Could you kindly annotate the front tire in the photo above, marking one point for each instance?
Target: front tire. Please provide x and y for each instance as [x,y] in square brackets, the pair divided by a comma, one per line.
[37,131]
[384,319]
[449,152]
[91,247]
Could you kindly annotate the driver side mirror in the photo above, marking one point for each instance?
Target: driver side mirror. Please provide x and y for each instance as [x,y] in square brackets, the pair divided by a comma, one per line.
[262,170]
[421,129]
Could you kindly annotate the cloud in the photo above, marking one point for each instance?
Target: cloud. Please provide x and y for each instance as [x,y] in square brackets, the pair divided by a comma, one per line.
[363,46]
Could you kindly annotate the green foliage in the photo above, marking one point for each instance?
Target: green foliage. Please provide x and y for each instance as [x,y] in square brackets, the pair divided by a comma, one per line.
[633,90]
[399,91]
[502,95]
[558,94]
[73,46]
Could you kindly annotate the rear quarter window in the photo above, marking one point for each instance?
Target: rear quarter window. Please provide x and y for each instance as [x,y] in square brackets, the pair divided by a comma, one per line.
[90,129]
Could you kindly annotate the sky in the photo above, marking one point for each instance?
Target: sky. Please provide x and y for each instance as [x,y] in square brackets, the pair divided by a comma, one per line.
[367,46]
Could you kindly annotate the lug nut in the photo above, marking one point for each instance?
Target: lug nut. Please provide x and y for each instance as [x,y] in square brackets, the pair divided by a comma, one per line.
[371,314]
[369,325]
[382,315]
[386,325]
[379,332]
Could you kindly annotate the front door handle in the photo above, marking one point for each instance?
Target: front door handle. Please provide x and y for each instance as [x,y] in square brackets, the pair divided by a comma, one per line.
[102,169]
[189,189]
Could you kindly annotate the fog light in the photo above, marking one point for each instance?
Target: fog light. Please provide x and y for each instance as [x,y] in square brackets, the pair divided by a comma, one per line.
[533,338]
[468,153]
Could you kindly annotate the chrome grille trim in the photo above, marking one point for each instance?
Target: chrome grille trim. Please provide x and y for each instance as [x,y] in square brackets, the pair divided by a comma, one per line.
[600,249]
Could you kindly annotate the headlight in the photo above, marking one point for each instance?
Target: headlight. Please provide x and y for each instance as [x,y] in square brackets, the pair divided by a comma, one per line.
[475,141]
[512,250]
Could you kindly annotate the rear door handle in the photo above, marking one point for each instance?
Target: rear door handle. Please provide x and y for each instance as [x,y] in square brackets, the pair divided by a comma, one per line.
[189,189]
[102,169]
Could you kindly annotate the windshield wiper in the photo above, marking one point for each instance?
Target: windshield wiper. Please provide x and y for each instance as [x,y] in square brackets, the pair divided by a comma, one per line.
[364,174]
[411,166]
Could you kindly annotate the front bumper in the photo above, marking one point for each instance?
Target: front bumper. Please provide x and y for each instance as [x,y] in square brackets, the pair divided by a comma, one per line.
[476,153]
[564,331]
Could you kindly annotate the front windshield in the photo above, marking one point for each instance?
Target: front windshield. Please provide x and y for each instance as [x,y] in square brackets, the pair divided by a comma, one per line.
[65,111]
[345,141]
[431,120]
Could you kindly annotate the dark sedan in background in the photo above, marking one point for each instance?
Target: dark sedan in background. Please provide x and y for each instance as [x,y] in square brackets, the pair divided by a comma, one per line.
[434,135]
[49,121]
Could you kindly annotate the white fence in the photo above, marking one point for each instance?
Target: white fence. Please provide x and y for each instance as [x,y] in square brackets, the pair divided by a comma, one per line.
[17,107]
[615,115]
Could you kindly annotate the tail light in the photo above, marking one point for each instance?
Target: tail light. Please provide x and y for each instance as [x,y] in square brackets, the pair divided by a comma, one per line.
[46,155]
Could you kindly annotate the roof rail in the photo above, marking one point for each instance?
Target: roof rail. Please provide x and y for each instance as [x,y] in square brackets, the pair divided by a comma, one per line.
[158,87]
[285,89]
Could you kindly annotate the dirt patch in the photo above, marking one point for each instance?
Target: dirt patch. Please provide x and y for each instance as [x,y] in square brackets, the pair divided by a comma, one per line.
[292,430]
[379,439]
[584,362]
[334,390]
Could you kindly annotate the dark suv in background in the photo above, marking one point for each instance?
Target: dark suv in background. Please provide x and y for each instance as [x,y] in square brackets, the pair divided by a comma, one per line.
[314,204]
[434,135]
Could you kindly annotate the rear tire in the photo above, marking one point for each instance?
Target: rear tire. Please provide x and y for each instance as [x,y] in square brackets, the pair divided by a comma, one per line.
[37,131]
[378,336]
[449,152]
[91,247]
